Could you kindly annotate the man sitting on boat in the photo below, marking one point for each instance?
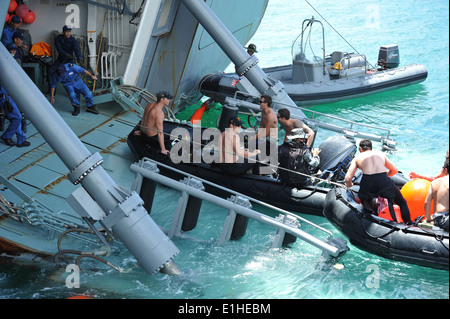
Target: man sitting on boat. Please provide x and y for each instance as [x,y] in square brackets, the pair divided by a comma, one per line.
[152,124]
[297,162]
[235,159]
[375,180]
[288,124]
[439,192]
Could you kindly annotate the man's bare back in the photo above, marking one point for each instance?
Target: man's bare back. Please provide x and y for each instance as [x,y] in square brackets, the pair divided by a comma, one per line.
[371,162]
[148,121]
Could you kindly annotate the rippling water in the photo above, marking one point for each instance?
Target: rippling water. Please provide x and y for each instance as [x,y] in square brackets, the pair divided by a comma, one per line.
[418,117]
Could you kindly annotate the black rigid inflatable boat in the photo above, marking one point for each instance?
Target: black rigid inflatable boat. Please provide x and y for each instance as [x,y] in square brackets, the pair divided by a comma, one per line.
[386,238]
[336,155]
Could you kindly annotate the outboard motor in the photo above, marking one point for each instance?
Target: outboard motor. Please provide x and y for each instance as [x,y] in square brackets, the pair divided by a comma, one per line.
[228,112]
[389,56]
[335,156]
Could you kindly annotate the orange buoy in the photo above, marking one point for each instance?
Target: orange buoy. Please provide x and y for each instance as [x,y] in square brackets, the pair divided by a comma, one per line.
[30,17]
[415,192]
[7,18]
[12,6]
[22,10]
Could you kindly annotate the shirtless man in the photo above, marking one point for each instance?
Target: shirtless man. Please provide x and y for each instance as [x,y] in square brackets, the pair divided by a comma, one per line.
[153,119]
[284,117]
[269,118]
[232,150]
[439,192]
[377,169]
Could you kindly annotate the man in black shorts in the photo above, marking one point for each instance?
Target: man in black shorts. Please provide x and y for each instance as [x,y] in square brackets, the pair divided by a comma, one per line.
[377,169]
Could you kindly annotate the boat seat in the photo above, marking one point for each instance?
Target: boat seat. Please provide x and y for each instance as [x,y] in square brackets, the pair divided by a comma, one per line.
[337,56]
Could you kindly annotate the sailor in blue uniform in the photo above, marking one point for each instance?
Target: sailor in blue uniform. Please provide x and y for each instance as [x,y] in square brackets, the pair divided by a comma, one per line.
[8,31]
[67,46]
[12,113]
[68,75]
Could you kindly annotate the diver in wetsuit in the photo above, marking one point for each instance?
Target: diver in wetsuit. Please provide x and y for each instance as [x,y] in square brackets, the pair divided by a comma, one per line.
[377,169]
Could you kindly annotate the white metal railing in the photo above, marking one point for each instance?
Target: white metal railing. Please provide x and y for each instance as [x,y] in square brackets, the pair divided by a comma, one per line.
[147,168]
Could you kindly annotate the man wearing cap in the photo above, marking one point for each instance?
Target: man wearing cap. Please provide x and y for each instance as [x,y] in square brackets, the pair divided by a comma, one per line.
[152,124]
[251,49]
[234,157]
[8,31]
[67,46]
[67,74]
[297,162]
[18,39]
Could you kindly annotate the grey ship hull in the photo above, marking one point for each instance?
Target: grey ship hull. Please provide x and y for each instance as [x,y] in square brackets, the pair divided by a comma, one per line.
[176,55]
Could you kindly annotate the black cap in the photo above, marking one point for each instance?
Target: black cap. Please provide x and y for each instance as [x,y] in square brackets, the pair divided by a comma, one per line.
[236,121]
[19,35]
[66,28]
[164,94]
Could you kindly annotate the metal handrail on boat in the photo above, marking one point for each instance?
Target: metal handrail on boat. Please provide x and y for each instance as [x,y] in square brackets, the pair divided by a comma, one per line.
[148,168]
[388,143]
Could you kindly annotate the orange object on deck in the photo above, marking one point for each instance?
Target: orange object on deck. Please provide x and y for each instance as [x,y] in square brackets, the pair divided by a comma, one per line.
[197,116]
[387,215]
[415,192]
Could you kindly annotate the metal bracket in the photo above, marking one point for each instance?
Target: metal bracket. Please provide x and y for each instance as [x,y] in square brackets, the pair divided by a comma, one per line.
[231,217]
[85,167]
[122,210]
[287,220]
[247,65]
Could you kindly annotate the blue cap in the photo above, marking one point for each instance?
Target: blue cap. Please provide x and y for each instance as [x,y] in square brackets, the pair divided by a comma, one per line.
[16,19]
[66,28]
[19,35]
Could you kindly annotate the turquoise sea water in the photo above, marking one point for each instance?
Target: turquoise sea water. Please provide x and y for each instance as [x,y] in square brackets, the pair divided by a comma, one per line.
[418,117]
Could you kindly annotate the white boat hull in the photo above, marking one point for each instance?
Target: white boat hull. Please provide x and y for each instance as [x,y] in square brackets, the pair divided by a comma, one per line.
[320,92]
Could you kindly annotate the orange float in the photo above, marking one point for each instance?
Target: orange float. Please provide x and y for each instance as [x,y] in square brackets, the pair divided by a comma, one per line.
[415,192]
[12,6]
[22,10]
[7,18]
[30,17]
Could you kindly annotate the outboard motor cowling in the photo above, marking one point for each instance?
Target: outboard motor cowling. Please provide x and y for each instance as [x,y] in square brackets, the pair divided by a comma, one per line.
[389,56]
[228,112]
[336,154]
